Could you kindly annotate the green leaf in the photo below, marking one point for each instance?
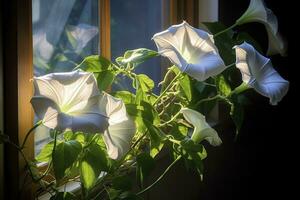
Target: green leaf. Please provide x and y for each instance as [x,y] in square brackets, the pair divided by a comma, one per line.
[78,136]
[94,63]
[237,111]
[143,85]
[157,138]
[145,165]
[222,85]
[122,183]
[93,162]
[136,56]
[105,79]
[127,97]
[185,83]
[46,152]
[64,156]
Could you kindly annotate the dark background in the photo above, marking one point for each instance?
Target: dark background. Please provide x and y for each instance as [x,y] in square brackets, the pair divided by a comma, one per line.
[261,163]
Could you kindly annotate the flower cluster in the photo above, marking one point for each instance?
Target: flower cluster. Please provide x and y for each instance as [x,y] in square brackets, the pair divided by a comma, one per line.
[99,138]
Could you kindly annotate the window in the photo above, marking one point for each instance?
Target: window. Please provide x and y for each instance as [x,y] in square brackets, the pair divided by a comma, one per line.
[133,23]
[63,33]
[27,29]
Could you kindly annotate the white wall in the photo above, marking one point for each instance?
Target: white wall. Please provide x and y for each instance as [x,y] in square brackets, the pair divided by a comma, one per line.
[208,10]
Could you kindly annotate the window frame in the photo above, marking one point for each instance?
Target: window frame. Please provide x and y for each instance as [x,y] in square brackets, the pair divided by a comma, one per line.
[18,71]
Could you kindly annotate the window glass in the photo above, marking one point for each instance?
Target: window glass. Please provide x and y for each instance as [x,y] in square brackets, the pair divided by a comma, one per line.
[64,32]
[133,23]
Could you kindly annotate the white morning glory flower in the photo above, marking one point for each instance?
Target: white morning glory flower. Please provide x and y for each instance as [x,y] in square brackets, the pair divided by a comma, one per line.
[80,35]
[192,50]
[258,12]
[69,101]
[121,127]
[202,130]
[258,73]
[42,48]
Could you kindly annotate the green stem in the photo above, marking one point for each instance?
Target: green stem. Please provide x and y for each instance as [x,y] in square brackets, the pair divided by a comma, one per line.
[29,132]
[160,177]
[168,87]
[241,88]
[209,99]
[166,76]
[232,64]
[172,119]
[225,30]
[174,141]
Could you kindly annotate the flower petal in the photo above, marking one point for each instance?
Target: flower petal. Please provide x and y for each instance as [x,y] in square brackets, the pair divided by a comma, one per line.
[119,140]
[202,130]
[69,101]
[121,127]
[46,110]
[190,49]
[257,71]
[257,12]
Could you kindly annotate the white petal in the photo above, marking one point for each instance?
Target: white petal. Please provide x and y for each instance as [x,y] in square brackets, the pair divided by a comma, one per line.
[190,49]
[69,101]
[121,127]
[202,130]
[208,66]
[119,140]
[114,108]
[276,43]
[46,110]
[257,71]
[257,12]
[42,48]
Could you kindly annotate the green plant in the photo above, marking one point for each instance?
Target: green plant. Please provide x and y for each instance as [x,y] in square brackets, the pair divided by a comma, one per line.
[100,138]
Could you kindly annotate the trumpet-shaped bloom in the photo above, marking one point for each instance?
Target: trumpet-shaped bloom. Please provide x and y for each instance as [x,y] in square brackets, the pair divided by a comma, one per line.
[258,73]
[202,130]
[121,127]
[190,49]
[257,12]
[69,101]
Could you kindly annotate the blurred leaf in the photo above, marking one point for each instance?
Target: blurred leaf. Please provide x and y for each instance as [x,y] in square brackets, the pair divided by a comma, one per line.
[65,154]
[127,97]
[92,163]
[105,79]
[184,82]
[237,110]
[157,138]
[143,85]
[222,85]
[94,63]
[145,165]
[136,56]
[46,152]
